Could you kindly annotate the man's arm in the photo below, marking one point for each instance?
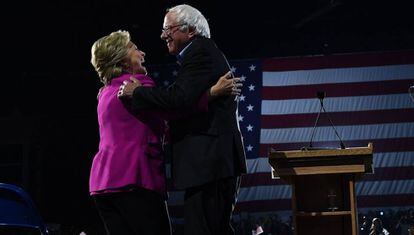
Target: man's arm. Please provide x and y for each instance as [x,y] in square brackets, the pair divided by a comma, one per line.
[225,86]
[194,79]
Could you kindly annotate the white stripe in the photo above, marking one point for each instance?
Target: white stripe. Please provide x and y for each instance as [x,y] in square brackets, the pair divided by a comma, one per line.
[393,159]
[258,165]
[389,159]
[347,133]
[338,75]
[264,193]
[337,104]
[271,192]
[389,187]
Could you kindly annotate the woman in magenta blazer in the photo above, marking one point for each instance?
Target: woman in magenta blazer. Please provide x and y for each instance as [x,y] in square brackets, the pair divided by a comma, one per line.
[127,179]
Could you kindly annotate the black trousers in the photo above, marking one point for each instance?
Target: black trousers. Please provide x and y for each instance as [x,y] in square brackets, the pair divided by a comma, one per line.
[141,211]
[208,208]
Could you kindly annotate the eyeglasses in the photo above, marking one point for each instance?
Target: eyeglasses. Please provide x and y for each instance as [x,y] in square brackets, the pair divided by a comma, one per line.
[167,30]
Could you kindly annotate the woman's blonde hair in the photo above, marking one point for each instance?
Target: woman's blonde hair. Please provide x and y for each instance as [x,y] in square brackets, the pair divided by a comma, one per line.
[108,53]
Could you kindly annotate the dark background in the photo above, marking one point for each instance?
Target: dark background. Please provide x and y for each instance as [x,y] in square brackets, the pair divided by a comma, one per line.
[49,131]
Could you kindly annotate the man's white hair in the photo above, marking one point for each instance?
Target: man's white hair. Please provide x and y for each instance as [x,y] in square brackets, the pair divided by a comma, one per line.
[191,17]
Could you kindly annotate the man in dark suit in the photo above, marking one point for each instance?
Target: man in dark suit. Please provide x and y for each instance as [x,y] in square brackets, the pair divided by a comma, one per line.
[208,152]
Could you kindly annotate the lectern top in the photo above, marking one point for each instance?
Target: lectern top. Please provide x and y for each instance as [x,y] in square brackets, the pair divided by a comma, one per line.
[354,160]
[321,152]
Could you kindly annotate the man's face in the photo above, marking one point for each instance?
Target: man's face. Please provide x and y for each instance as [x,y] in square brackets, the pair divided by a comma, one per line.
[176,40]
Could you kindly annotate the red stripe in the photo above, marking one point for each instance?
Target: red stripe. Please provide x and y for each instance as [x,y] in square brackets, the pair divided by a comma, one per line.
[337,89]
[263,205]
[386,200]
[258,179]
[380,145]
[390,173]
[249,206]
[339,61]
[362,201]
[338,118]
[248,180]
[380,174]
[285,204]
[170,185]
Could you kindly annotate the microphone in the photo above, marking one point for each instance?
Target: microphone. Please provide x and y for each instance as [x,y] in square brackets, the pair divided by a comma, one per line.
[321,95]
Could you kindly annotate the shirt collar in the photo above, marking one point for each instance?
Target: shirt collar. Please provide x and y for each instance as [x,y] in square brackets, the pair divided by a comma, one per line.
[180,55]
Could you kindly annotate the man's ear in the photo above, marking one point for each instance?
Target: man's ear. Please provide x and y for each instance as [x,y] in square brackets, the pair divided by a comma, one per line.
[191,32]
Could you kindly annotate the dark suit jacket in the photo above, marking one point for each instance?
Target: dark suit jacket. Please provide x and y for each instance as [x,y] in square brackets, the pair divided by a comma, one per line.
[206,146]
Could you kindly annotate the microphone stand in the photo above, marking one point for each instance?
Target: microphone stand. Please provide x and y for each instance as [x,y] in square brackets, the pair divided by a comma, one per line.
[321,95]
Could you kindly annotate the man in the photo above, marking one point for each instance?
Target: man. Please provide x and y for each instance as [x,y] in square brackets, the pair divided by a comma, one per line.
[208,152]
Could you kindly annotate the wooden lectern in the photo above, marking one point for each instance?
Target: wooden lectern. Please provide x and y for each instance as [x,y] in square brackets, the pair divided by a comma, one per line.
[323,187]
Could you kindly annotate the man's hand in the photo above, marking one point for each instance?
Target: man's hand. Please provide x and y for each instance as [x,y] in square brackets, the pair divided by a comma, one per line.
[226,86]
[127,88]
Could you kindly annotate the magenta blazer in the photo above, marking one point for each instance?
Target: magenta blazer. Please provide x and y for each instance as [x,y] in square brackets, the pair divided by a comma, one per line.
[130,145]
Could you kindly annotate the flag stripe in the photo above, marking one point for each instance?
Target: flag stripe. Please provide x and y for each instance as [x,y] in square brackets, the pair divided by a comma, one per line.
[386,200]
[252,206]
[337,104]
[338,75]
[256,206]
[380,145]
[338,61]
[390,173]
[245,194]
[338,118]
[386,159]
[262,178]
[382,201]
[393,159]
[354,132]
[389,187]
[388,166]
[385,173]
[337,89]
[283,191]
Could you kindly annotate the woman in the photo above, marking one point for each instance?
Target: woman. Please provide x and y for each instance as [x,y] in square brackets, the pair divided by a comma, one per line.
[127,180]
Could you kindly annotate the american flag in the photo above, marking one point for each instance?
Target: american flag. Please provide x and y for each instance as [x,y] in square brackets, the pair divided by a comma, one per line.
[366,98]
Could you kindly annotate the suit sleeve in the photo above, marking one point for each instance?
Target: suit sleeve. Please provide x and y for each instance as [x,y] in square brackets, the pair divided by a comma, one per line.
[200,107]
[194,79]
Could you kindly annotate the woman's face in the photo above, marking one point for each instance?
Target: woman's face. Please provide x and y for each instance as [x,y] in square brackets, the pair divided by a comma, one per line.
[134,59]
